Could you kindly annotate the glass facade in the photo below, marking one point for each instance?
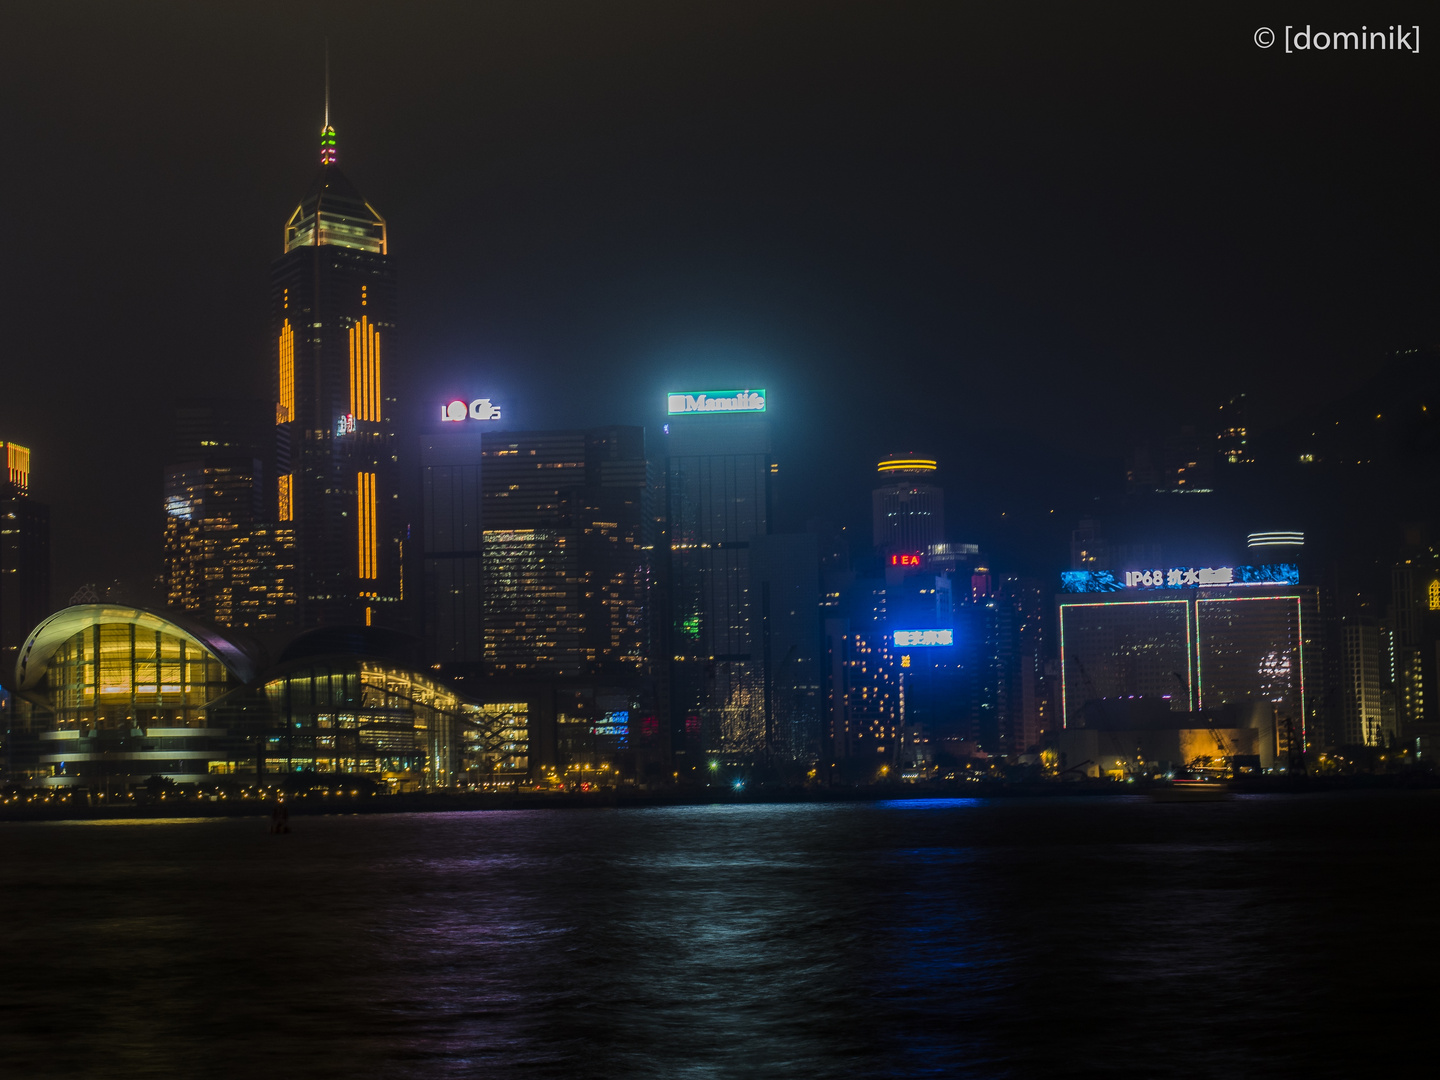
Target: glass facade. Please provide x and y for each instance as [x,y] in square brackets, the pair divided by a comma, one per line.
[1201,649]
[130,701]
[114,697]
[718,483]
[347,716]
[532,602]
[450,529]
[1122,649]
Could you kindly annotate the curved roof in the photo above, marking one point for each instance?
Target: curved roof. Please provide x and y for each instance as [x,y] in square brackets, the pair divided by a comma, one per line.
[241,659]
[357,642]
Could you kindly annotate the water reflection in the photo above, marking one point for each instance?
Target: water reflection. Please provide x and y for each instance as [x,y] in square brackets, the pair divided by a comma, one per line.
[949,938]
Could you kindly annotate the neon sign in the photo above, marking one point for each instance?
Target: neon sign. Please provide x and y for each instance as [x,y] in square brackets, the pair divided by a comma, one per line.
[913,639]
[479,409]
[1180,577]
[712,401]
[908,558]
[345,425]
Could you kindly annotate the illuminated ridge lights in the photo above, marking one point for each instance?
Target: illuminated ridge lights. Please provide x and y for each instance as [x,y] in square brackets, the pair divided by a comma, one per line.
[1276,539]
[716,401]
[907,465]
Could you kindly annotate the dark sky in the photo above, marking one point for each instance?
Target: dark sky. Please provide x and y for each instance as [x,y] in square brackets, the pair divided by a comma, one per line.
[1010,235]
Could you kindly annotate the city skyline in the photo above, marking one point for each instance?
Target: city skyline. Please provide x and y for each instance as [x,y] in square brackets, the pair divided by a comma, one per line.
[855,325]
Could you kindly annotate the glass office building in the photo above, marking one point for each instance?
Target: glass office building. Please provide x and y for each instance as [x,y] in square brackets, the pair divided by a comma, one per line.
[1196,649]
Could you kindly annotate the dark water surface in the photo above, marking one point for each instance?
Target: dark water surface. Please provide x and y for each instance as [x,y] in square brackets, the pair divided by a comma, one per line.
[1267,936]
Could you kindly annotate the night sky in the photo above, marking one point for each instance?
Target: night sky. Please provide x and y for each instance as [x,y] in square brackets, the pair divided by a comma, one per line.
[1016,238]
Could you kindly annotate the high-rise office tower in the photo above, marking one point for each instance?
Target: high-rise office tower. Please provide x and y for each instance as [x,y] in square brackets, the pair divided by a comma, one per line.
[333,317]
[718,488]
[566,553]
[909,512]
[451,527]
[24,556]
[226,558]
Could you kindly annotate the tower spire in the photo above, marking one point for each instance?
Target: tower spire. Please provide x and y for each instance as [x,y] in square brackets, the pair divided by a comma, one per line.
[327,133]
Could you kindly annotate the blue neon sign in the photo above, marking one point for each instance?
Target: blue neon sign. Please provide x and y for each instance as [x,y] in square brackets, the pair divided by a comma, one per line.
[923,639]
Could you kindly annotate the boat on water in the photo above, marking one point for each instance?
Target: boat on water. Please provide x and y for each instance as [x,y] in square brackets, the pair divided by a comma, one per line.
[1192,791]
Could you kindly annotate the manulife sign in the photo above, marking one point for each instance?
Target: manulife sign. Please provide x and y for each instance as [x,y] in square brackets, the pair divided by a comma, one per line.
[717,401]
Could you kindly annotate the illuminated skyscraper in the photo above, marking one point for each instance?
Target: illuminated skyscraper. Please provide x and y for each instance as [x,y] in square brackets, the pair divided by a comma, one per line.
[909,512]
[24,556]
[718,483]
[566,564]
[333,318]
[226,558]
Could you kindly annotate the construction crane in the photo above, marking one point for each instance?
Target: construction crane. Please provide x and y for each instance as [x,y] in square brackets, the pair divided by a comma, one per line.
[1227,755]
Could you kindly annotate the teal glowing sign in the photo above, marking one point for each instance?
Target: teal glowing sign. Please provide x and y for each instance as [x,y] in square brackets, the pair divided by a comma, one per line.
[717,401]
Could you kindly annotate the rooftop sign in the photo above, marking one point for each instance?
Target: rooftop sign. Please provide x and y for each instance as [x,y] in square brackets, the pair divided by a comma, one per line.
[1180,577]
[715,401]
[479,409]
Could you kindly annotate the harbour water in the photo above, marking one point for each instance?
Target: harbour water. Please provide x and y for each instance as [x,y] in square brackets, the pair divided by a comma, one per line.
[1263,936]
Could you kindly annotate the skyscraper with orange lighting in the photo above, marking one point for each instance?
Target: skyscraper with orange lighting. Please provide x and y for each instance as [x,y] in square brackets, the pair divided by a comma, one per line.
[24,556]
[333,322]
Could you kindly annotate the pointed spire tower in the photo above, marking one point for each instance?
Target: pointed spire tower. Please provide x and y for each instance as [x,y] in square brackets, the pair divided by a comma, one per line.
[333,318]
[327,133]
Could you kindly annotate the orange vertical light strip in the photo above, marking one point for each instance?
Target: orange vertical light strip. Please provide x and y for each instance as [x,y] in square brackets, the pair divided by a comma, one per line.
[353,374]
[368,333]
[287,498]
[375,360]
[363,405]
[372,354]
[368,559]
[285,407]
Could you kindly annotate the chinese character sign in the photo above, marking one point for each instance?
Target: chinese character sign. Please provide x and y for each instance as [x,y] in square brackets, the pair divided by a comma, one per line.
[910,639]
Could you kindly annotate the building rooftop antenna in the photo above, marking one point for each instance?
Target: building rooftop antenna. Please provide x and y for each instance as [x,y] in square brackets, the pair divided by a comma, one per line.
[327,133]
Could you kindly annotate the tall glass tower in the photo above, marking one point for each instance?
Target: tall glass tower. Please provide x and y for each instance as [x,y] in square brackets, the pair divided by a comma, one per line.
[333,319]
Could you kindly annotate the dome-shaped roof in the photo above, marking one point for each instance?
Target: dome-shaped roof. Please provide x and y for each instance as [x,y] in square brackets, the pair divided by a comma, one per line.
[242,658]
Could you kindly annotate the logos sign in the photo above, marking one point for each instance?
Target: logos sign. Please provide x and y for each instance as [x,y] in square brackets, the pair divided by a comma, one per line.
[716,401]
[913,639]
[479,409]
[908,558]
[345,425]
[1180,577]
